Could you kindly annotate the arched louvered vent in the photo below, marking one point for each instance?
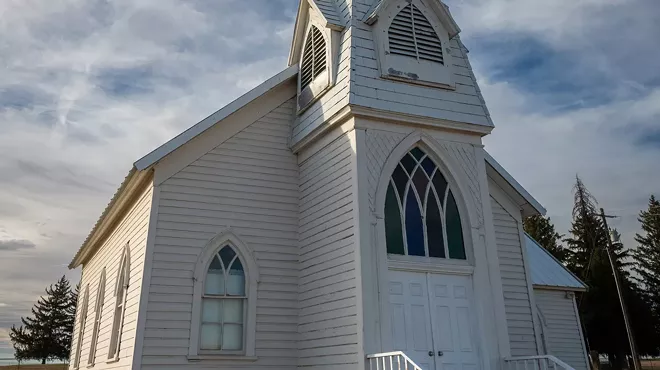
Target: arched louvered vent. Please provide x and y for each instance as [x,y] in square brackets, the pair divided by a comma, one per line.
[314,57]
[412,35]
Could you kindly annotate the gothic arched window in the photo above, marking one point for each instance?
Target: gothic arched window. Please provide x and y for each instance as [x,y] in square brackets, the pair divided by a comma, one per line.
[421,214]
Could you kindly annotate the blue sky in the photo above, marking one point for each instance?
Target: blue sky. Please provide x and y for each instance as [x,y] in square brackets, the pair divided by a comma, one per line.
[87,87]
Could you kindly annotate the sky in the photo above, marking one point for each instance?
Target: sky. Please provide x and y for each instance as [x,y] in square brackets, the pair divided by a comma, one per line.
[89,86]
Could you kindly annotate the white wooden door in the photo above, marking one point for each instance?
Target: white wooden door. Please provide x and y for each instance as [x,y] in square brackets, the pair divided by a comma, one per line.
[453,323]
[411,317]
[432,320]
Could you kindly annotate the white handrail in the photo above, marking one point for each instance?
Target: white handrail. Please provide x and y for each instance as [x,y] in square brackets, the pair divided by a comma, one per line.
[396,360]
[543,362]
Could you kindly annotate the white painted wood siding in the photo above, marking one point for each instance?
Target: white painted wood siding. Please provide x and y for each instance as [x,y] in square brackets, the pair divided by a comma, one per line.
[517,304]
[328,315]
[465,104]
[562,332]
[248,183]
[133,230]
[333,100]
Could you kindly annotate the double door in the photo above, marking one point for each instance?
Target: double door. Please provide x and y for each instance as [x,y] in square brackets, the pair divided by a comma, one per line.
[432,320]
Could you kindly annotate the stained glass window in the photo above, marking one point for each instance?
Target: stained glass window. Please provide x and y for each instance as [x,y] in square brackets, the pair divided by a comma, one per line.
[421,214]
[223,303]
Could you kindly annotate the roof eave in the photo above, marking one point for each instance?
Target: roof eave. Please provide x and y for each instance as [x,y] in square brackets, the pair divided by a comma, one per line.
[135,181]
[531,205]
[560,288]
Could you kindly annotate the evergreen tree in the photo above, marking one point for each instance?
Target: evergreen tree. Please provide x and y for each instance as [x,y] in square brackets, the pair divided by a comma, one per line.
[47,334]
[647,254]
[543,231]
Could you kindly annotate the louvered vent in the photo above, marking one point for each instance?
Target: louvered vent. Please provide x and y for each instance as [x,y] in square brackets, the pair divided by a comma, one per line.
[314,57]
[412,35]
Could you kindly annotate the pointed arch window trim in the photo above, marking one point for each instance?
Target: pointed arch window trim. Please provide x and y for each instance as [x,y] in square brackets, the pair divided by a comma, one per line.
[418,156]
[121,295]
[251,280]
[81,326]
[98,316]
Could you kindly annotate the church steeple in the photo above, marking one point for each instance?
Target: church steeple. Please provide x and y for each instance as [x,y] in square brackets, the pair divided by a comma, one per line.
[393,59]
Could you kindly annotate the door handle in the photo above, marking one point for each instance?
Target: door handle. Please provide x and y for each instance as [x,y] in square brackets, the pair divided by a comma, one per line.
[431,353]
[440,353]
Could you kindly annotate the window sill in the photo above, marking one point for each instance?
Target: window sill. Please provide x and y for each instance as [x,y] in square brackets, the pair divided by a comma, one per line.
[196,358]
[112,360]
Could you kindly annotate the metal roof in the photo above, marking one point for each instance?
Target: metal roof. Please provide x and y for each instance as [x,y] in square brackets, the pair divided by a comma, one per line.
[547,271]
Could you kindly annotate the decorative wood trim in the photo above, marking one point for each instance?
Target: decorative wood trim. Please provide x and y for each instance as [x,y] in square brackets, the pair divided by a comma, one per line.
[146,280]
[338,118]
[530,287]
[435,268]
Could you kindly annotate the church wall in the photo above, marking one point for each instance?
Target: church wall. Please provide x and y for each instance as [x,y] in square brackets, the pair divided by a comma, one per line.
[132,229]
[518,300]
[248,183]
[328,286]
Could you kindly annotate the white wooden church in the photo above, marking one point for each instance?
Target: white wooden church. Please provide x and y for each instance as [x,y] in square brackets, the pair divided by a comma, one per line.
[342,215]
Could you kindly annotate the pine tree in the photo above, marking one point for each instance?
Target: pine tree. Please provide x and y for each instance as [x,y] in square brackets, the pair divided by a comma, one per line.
[647,254]
[47,334]
[543,231]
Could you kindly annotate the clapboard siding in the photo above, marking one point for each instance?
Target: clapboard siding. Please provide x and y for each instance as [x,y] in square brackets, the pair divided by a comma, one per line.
[248,183]
[327,319]
[464,104]
[517,302]
[333,100]
[561,327]
[133,230]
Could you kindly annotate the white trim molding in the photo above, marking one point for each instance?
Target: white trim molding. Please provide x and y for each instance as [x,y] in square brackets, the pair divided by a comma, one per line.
[213,246]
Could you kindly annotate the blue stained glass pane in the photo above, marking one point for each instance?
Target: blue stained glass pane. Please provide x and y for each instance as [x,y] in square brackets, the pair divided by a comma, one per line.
[428,166]
[420,180]
[414,228]
[440,185]
[393,229]
[408,163]
[417,153]
[436,241]
[400,180]
[454,229]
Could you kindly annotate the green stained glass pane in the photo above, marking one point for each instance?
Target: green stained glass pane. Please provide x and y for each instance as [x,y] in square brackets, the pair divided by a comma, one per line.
[393,230]
[440,185]
[454,229]
[417,153]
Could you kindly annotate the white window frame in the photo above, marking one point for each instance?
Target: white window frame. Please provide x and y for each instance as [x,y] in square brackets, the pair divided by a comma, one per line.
[251,281]
[81,327]
[98,316]
[121,293]
[322,83]
[408,69]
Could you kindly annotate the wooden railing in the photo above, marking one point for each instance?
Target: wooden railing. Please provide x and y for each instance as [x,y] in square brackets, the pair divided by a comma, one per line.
[545,362]
[391,361]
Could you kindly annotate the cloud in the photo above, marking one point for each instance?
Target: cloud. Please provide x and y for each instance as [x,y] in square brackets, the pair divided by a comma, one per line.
[14,245]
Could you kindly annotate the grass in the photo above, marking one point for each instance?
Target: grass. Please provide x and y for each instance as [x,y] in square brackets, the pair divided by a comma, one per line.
[34,367]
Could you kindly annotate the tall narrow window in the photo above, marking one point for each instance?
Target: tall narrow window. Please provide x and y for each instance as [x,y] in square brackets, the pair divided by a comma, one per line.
[121,292]
[82,306]
[224,303]
[412,35]
[314,57]
[98,315]
[421,214]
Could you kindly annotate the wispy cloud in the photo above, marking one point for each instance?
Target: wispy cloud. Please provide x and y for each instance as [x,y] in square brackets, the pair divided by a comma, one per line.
[14,245]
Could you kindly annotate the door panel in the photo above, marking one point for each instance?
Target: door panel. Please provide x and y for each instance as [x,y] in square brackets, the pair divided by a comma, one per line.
[411,317]
[453,327]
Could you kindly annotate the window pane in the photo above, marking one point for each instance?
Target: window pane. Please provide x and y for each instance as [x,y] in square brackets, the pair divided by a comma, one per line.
[212,310]
[236,279]
[211,336]
[232,340]
[420,180]
[233,311]
[393,230]
[414,229]
[440,186]
[454,229]
[226,255]
[400,180]
[428,166]
[215,283]
[408,163]
[417,153]
[434,228]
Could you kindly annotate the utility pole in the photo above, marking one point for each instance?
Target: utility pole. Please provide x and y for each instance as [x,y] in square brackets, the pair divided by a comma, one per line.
[619,290]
